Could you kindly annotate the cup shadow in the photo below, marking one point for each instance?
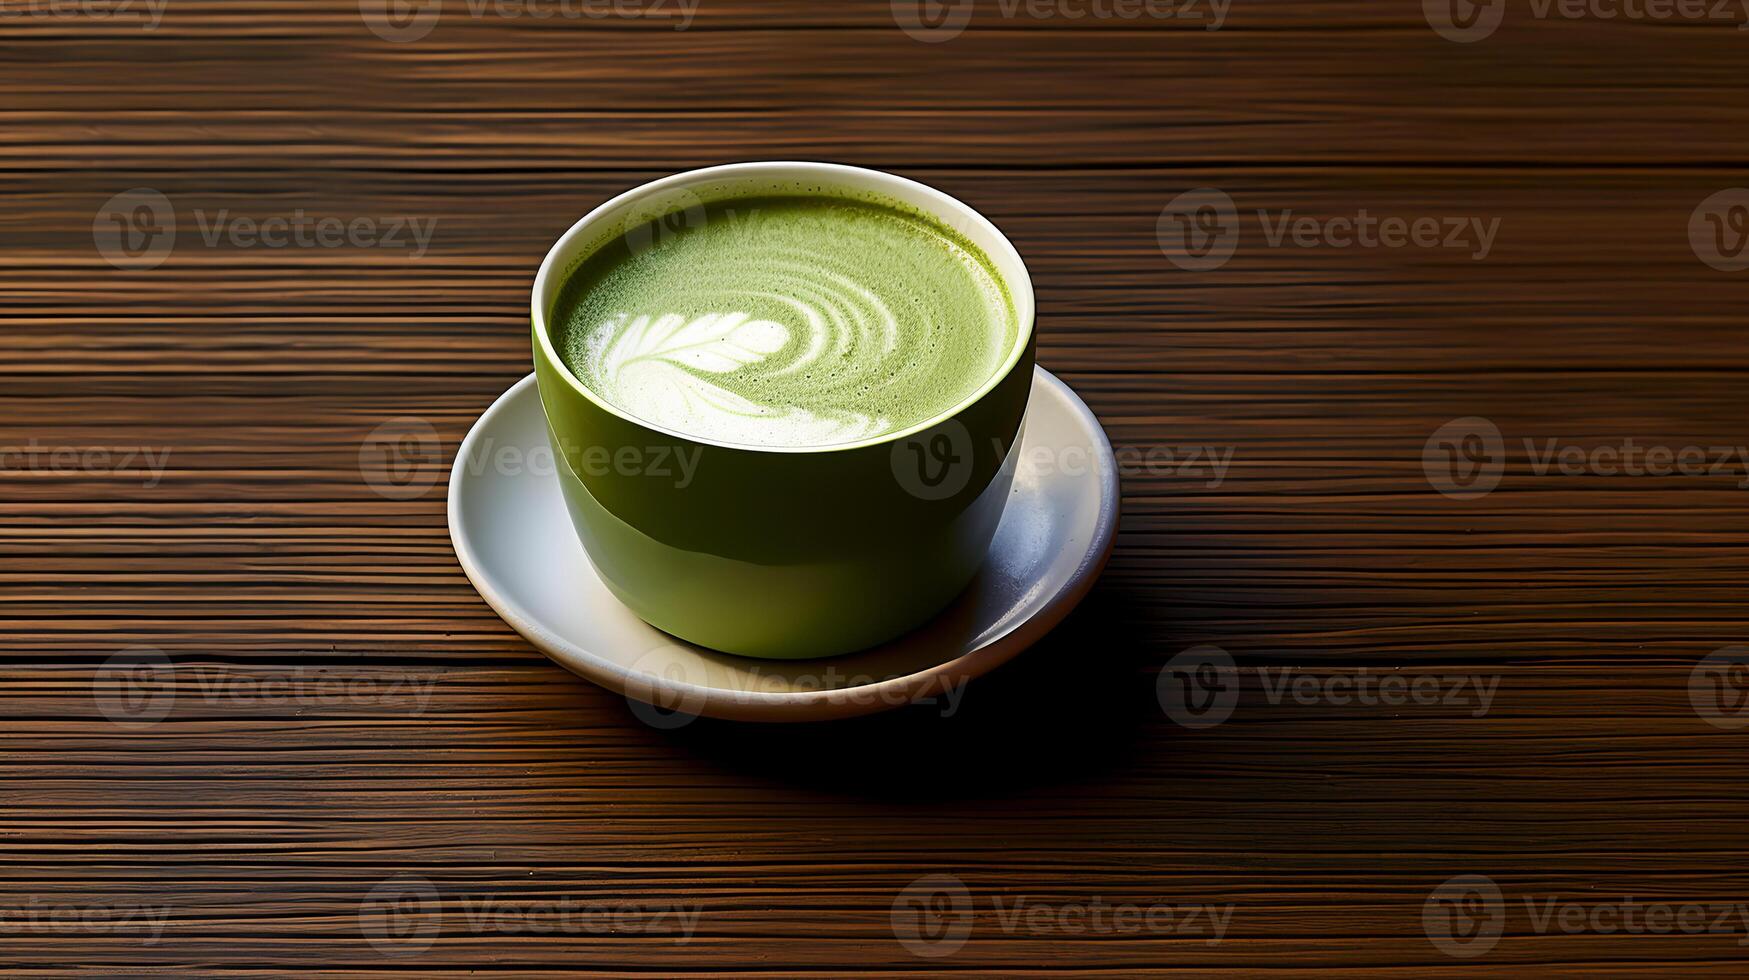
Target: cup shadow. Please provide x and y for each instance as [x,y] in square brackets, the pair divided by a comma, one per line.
[1065,710]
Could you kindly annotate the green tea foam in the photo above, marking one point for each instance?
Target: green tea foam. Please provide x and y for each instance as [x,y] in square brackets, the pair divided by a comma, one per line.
[792,320]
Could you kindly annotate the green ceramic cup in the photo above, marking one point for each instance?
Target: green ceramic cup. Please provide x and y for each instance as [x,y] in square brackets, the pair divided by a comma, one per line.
[782,552]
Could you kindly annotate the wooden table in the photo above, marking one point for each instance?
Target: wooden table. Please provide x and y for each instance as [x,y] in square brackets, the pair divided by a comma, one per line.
[359,770]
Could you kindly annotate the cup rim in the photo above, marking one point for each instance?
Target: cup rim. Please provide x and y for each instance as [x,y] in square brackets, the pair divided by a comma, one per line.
[940,204]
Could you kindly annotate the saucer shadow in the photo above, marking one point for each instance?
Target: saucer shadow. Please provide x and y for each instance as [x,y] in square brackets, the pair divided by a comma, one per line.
[1064,710]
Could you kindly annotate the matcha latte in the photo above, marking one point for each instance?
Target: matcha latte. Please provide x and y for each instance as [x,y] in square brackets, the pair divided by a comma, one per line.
[786,321]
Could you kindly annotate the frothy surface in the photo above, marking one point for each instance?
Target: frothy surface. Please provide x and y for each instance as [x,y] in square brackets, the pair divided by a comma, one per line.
[785,321]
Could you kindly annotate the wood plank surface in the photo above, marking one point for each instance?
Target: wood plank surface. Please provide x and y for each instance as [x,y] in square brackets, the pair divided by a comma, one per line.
[361,771]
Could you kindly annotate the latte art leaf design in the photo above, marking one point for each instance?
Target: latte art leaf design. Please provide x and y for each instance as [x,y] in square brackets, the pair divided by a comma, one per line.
[714,342]
[786,321]
[655,363]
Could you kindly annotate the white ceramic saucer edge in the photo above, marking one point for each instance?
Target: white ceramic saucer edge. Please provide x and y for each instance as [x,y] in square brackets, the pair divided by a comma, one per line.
[802,705]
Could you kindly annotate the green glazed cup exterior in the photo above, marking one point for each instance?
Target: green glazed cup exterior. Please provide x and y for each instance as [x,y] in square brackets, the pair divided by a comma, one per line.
[782,552]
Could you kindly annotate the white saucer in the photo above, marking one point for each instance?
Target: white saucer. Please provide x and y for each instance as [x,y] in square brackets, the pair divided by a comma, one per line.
[514,538]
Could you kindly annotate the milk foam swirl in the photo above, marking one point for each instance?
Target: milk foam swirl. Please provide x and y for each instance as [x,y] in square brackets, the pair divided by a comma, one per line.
[803,325]
[655,369]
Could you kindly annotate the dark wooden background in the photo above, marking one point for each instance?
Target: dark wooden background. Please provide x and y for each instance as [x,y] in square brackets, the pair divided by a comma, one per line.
[258,822]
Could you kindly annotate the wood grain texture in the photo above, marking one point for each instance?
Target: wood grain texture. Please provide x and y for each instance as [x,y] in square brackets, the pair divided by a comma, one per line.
[350,731]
